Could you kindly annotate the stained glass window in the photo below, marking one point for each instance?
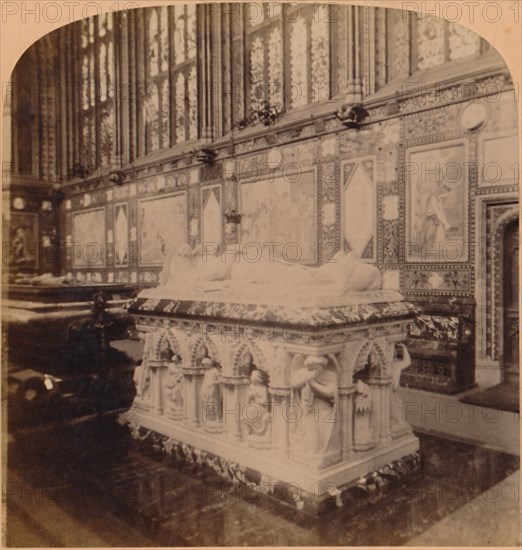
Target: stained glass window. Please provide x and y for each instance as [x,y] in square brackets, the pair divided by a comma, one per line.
[156,102]
[439,41]
[171,55]
[184,72]
[97,92]
[462,41]
[298,63]
[273,29]
[265,81]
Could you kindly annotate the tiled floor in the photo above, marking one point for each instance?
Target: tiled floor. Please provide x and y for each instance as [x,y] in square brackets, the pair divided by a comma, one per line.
[95,474]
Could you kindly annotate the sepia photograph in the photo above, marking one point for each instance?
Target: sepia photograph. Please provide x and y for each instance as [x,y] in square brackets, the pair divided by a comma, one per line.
[260,274]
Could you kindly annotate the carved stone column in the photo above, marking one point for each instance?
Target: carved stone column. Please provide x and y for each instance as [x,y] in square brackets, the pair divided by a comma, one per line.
[280,397]
[346,420]
[205,84]
[232,406]
[368,50]
[142,373]
[354,81]
[383,386]
[193,378]
[157,375]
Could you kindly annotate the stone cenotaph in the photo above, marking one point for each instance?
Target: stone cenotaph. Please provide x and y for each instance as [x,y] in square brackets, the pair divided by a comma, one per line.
[276,375]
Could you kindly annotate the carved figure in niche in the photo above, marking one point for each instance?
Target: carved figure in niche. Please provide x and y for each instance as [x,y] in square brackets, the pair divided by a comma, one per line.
[211,395]
[362,428]
[257,413]
[142,379]
[20,246]
[247,366]
[401,360]
[315,391]
[174,385]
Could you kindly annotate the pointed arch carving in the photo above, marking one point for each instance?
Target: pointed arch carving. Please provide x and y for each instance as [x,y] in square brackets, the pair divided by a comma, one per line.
[160,337]
[371,351]
[257,357]
[198,347]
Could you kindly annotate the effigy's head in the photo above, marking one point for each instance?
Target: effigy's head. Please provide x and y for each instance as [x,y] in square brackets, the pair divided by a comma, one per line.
[315,362]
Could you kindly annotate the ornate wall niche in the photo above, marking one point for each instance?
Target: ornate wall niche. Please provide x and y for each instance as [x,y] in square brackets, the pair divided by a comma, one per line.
[22,250]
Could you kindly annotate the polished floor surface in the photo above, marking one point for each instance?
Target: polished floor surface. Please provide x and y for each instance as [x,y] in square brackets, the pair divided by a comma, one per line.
[128,495]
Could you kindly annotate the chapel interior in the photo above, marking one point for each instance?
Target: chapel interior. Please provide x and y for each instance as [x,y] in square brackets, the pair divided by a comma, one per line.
[291,209]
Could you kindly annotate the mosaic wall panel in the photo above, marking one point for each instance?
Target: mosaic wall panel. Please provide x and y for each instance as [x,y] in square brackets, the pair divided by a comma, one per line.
[162,226]
[436,280]
[499,159]
[89,239]
[279,210]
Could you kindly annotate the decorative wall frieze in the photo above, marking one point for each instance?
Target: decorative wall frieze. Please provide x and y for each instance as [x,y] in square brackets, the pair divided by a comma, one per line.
[437,280]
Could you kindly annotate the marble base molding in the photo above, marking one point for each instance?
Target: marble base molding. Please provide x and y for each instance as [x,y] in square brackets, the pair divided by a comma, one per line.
[244,480]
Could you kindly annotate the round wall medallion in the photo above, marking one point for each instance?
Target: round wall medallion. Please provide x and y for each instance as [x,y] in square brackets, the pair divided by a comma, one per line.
[19,203]
[473,116]
[275,157]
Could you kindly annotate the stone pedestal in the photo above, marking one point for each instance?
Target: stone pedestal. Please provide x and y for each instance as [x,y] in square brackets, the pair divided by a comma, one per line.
[287,381]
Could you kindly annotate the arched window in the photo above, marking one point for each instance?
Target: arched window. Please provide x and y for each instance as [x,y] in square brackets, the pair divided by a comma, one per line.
[438,41]
[169,101]
[97,112]
[288,54]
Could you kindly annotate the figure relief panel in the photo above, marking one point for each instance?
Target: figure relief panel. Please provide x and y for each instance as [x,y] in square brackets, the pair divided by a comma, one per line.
[437,203]
[315,434]
[22,231]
